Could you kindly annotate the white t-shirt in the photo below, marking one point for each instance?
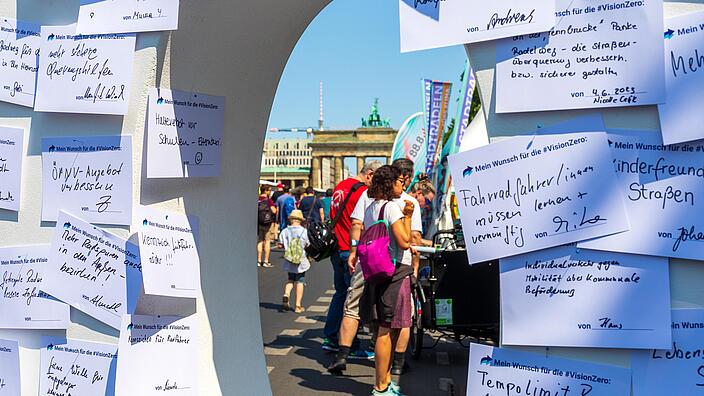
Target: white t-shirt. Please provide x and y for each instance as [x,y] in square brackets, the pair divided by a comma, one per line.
[392,213]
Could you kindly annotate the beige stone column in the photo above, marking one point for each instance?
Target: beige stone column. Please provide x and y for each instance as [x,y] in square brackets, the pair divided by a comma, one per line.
[360,164]
[338,169]
[316,164]
[388,160]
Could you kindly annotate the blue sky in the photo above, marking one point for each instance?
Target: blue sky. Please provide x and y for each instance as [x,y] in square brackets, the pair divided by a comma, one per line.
[353,47]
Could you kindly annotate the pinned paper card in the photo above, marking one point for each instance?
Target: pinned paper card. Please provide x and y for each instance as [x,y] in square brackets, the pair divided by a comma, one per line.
[170,346]
[76,368]
[530,193]
[9,368]
[677,369]
[559,286]
[19,59]
[599,54]
[184,134]
[502,372]
[84,74]
[93,270]
[11,143]
[24,304]
[88,175]
[663,182]
[433,23]
[167,241]
[127,16]
[681,117]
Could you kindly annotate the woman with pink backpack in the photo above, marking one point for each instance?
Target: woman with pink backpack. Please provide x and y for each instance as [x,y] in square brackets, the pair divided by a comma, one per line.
[387,270]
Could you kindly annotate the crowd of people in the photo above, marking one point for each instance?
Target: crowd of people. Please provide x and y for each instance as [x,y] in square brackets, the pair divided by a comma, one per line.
[377,194]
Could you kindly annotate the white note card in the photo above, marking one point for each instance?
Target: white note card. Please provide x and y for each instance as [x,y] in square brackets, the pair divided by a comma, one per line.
[184,134]
[599,54]
[167,241]
[663,182]
[11,155]
[677,369]
[93,270]
[127,16]
[19,60]
[501,372]
[76,368]
[24,304]
[10,383]
[681,117]
[560,285]
[84,73]
[88,175]
[530,193]
[429,24]
[171,346]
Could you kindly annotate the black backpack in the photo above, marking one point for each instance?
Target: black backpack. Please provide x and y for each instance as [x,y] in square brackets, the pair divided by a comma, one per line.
[264,214]
[322,235]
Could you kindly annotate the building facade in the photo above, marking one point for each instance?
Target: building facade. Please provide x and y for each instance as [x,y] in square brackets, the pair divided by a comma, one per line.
[287,158]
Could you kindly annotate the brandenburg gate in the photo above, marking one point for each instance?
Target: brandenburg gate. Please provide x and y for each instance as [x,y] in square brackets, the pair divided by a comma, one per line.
[329,149]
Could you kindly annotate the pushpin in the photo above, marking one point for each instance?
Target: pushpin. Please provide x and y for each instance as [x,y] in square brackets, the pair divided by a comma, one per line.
[92,14]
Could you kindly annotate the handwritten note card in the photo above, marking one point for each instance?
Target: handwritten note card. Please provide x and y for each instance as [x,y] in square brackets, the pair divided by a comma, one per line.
[662,182]
[90,175]
[92,270]
[439,23]
[127,16]
[529,193]
[84,74]
[19,59]
[9,368]
[677,369]
[681,117]
[167,241]
[24,304]
[11,143]
[76,368]
[599,54]
[560,285]
[184,134]
[502,372]
[170,345]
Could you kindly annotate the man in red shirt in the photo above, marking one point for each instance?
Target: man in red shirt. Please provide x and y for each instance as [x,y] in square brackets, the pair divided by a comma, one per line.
[341,276]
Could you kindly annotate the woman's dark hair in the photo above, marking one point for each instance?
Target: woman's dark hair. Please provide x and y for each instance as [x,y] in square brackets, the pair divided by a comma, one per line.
[264,189]
[383,182]
[328,192]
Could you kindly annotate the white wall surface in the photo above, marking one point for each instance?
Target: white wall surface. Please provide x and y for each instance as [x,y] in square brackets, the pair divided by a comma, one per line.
[231,48]
[686,277]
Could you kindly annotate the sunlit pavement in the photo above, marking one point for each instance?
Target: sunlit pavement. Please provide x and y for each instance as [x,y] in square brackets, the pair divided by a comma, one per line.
[296,362]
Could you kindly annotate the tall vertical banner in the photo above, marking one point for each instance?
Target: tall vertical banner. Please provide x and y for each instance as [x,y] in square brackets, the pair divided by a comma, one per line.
[452,145]
[410,142]
[439,103]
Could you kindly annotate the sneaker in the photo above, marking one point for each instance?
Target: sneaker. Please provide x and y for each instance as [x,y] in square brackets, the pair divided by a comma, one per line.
[330,345]
[267,265]
[395,388]
[299,309]
[388,392]
[285,306]
[337,366]
[361,355]
[259,263]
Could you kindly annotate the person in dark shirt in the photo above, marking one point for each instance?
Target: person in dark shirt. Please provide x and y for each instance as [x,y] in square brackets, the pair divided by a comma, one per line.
[311,206]
[279,192]
[327,200]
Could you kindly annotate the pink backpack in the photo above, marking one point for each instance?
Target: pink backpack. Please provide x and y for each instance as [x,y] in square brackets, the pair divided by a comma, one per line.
[374,251]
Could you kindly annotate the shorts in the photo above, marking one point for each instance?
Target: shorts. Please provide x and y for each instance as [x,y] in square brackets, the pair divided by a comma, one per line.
[294,277]
[262,232]
[402,315]
[354,294]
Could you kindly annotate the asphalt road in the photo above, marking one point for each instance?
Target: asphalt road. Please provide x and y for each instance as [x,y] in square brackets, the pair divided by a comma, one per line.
[296,362]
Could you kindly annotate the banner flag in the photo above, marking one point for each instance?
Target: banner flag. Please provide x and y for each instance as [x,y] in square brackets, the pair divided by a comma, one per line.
[439,104]
[410,142]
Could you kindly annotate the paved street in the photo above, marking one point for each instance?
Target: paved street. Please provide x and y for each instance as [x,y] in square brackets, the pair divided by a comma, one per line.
[296,361]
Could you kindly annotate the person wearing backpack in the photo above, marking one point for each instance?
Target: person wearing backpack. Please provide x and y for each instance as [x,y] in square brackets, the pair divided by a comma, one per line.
[285,204]
[387,269]
[266,217]
[296,263]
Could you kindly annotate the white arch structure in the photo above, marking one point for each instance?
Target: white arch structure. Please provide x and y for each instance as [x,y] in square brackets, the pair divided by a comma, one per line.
[236,49]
